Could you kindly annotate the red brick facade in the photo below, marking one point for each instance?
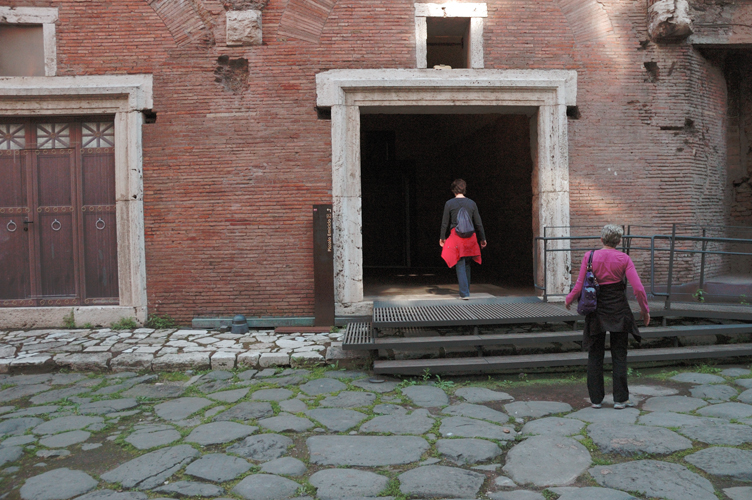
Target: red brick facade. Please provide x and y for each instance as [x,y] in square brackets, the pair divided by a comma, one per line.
[237,155]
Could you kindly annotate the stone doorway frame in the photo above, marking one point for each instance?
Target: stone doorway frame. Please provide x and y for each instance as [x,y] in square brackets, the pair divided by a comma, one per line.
[543,93]
[126,97]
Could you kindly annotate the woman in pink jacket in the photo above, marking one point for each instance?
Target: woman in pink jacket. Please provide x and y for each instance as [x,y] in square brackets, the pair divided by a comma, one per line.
[611,267]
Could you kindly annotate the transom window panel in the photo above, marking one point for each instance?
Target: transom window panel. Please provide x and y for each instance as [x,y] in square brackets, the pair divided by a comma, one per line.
[57,212]
[98,134]
[53,135]
[12,136]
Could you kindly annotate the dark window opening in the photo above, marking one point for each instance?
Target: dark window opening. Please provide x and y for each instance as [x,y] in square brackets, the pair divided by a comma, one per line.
[448,42]
[21,50]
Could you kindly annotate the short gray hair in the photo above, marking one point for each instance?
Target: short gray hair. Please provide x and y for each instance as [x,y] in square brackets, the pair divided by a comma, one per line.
[611,235]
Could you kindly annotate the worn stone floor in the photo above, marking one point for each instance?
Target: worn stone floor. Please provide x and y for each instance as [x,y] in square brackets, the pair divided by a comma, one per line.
[326,433]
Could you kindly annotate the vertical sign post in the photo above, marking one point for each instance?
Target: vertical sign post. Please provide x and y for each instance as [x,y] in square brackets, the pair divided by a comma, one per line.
[323,266]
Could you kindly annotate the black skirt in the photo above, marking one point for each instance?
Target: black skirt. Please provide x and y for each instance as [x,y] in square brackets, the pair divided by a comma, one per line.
[612,314]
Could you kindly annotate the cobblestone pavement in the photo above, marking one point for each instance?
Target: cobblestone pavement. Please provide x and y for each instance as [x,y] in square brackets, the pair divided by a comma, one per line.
[162,350]
[337,434]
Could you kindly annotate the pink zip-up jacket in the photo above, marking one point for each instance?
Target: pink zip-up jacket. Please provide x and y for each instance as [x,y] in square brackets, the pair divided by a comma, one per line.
[610,266]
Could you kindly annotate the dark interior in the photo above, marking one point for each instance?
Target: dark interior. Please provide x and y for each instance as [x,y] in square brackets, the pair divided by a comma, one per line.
[408,163]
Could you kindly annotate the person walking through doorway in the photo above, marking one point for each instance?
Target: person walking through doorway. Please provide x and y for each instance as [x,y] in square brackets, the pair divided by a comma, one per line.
[458,252]
[611,267]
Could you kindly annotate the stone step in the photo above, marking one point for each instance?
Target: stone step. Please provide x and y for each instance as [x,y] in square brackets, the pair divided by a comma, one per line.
[495,363]
[527,339]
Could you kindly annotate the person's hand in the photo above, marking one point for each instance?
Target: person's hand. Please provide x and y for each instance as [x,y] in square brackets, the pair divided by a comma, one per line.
[645,317]
[568,305]
[441,243]
[483,244]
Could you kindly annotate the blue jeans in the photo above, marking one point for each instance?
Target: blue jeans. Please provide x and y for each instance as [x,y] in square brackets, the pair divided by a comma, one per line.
[463,275]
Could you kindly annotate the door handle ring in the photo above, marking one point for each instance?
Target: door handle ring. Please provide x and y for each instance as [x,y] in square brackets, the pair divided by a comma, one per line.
[59,225]
[15,226]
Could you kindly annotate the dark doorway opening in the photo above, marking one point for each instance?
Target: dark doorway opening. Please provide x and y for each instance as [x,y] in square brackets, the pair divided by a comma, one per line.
[408,162]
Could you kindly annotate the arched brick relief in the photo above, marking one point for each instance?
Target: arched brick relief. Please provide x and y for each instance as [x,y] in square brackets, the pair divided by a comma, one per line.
[305,19]
[188,21]
[587,19]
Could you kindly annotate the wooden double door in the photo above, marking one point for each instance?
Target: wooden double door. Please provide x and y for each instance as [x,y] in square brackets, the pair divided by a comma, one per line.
[58,234]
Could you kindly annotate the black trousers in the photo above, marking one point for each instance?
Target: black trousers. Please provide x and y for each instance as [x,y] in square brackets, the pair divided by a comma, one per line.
[596,353]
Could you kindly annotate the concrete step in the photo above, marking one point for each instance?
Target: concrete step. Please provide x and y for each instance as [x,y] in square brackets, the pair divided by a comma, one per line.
[499,363]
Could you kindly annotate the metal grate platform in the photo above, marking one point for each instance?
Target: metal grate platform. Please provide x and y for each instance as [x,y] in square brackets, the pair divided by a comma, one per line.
[455,314]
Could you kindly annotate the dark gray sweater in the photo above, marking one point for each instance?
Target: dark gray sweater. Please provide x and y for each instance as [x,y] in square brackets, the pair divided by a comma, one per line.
[452,207]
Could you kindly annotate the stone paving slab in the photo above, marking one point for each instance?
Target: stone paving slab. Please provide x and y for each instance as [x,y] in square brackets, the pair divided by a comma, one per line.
[655,479]
[152,469]
[334,484]
[606,415]
[365,451]
[262,448]
[151,438]
[727,410]
[266,487]
[547,461]
[553,426]
[739,493]
[285,466]
[191,489]
[336,419]
[472,428]
[467,451]
[217,467]
[439,481]
[476,411]
[516,495]
[720,392]
[57,484]
[698,378]
[590,493]
[536,409]
[481,395]
[722,461]
[627,439]
[718,433]
[427,396]
[219,432]
[418,422]
[678,404]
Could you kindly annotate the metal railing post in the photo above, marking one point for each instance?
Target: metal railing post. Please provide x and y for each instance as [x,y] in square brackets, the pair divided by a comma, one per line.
[670,267]
[545,271]
[702,261]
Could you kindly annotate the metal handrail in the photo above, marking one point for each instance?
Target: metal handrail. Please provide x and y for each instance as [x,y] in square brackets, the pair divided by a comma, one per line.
[627,247]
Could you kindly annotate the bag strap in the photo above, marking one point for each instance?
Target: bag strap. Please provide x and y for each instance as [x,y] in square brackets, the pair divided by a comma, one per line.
[590,266]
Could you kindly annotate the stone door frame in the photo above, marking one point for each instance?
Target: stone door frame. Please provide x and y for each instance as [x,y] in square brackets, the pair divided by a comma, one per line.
[544,93]
[126,97]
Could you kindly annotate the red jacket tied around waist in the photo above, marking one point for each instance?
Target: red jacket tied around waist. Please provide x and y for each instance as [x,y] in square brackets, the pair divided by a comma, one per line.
[455,248]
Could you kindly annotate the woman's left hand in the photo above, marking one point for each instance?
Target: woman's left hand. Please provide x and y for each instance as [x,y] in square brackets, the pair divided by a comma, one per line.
[483,244]
[568,305]
[441,243]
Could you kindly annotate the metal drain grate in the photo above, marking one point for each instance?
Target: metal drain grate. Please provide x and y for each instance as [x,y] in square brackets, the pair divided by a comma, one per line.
[358,334]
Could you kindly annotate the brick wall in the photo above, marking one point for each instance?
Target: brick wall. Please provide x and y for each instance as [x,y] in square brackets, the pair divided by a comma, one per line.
[234,163]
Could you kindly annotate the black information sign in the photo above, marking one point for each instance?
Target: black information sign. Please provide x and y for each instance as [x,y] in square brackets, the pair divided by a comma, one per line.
[323,265]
